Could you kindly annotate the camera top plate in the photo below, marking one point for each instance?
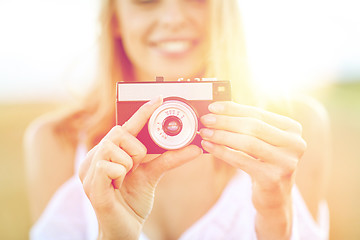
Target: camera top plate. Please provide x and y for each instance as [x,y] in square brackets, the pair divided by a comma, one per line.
[192,90]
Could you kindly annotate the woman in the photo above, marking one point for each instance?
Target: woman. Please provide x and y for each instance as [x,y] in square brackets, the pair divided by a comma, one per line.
[244,189]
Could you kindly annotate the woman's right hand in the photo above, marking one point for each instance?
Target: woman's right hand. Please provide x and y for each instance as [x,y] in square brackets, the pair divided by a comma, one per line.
[118,184]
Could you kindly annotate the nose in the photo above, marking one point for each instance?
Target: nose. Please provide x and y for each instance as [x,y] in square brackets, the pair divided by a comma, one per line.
[173,15]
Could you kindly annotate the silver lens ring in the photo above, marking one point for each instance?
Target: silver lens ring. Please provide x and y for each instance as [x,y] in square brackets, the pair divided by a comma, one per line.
[179,110]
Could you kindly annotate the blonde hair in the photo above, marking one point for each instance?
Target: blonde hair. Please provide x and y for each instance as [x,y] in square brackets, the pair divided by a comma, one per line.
[226,60]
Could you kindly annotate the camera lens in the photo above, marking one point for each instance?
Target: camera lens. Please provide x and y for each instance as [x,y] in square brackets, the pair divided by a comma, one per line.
[172,125]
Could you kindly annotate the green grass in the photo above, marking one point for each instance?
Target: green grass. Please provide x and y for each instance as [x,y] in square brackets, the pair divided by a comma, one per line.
[342,102]
[14,213]
[343,105]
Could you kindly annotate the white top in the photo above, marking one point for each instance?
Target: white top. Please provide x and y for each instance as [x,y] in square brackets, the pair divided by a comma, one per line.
[69,214]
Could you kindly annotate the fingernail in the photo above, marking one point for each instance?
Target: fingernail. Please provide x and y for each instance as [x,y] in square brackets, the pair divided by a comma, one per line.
[208,119]
[207,133]
[155,100]
[207,145]
[216,107]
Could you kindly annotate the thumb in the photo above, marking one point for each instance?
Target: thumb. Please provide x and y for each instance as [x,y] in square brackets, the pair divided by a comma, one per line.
[142,115]
[169,160]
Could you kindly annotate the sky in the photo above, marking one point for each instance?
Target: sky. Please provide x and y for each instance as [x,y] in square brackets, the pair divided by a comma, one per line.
[47,47]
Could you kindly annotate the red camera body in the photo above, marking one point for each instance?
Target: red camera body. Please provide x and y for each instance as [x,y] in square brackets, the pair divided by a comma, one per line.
[175,124]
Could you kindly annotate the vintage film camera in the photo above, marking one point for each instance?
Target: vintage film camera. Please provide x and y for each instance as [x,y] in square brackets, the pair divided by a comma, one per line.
[175,124]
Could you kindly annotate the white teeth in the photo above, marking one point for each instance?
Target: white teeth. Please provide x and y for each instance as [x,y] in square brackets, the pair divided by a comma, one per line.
[174,46]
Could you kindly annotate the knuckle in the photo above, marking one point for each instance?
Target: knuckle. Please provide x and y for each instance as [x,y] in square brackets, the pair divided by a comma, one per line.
[260,114]
[106,146]
[100,166]
[224,120]
[273,179]
[297,127]
[300,145]
[253,147]
[227,155]
[126,165]
[256,127]
[217,136]
[117,129]
[289,168]
[227,106]
[142,151]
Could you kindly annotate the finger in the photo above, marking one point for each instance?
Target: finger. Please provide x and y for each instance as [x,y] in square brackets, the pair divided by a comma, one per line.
[233,157]
[252,127]
[99,186]
[267,174]
[169,160]
[105,174]
[111,152]
[130,144]
[247,144]
[85,165]
[238,110]
[142,115]
[108,151]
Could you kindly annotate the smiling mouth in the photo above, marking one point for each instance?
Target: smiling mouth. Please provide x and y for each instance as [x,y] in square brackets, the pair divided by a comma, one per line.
[175,46]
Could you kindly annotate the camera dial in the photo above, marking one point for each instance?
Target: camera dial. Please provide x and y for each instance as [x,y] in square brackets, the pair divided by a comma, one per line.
[173,125]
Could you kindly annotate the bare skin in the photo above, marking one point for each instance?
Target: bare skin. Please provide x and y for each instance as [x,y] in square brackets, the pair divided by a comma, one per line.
[310,172]
[49,162]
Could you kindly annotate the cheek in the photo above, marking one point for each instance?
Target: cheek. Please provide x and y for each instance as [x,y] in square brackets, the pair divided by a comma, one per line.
[131,23]
[199,17]
[133,34]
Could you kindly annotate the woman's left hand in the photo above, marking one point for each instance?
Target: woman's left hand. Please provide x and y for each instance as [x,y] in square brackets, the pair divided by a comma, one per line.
[266,145]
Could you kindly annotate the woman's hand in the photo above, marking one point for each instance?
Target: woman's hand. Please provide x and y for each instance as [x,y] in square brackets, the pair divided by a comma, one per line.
[119,184]
[265,145]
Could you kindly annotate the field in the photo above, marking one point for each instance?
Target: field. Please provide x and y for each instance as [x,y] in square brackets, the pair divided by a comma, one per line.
[342,102]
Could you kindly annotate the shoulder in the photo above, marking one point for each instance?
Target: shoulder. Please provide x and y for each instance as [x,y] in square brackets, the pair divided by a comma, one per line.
[43,131]
[45,146]
[310,112]
[49,160]
[60,126]
[50,137]
[313,169]
[316,132]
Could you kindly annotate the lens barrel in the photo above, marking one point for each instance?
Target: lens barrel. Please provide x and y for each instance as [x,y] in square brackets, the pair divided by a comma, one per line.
[173,125]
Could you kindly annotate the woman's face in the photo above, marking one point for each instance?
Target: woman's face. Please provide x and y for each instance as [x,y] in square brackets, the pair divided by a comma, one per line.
[163,37]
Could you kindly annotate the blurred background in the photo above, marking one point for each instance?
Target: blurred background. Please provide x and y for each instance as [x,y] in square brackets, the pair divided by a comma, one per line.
[48,54]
